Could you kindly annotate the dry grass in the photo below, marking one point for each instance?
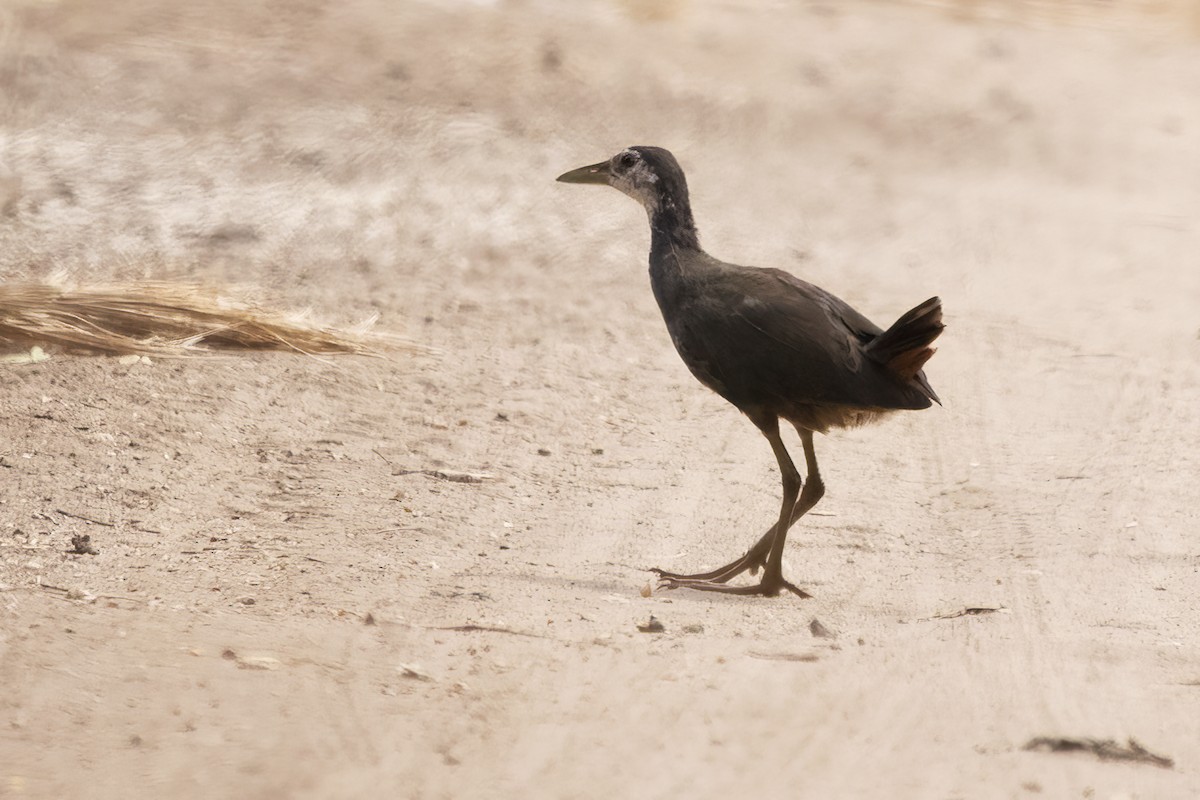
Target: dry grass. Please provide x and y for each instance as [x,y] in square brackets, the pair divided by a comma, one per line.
[162,319]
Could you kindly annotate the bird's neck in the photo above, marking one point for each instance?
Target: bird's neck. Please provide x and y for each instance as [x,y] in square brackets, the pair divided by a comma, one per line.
[673,238]
[671,226]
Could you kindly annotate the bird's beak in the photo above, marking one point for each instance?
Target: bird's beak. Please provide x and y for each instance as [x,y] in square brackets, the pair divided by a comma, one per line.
[596,173]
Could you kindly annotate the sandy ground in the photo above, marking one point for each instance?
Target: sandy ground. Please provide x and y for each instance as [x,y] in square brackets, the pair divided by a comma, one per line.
[286,603]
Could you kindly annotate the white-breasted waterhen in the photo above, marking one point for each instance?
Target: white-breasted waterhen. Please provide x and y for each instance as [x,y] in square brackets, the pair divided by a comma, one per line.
[773,345]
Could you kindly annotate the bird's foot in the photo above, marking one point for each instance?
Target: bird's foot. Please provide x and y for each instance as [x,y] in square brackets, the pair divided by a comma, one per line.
[766,588]
[751,562]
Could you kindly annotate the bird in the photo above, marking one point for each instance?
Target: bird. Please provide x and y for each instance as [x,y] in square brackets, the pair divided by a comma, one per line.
[778,348]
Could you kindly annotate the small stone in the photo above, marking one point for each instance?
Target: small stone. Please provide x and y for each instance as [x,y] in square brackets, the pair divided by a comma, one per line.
[652,626]
[82,545]
[414,672]
[258,662]
[820,631]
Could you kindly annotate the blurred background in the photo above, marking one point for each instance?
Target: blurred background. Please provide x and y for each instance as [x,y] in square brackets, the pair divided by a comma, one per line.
[352,150]
[1034,163]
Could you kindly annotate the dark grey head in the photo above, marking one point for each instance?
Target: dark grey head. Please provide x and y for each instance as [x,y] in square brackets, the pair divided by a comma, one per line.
[650,175]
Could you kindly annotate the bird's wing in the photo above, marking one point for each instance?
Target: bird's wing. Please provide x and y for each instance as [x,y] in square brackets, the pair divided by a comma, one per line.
[819,328]
[755,332]
[837,309]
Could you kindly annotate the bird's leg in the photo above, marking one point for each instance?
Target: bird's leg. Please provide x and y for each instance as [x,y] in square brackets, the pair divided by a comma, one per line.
[814,488]
[772,580]
[756,557]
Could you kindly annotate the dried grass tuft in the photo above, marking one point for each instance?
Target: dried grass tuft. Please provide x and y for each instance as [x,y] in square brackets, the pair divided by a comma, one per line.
[162,319]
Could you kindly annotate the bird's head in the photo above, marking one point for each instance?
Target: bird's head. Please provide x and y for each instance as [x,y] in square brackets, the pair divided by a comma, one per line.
[650,175]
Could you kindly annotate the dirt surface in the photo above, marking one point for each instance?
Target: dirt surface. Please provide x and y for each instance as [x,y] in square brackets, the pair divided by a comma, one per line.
[290,599]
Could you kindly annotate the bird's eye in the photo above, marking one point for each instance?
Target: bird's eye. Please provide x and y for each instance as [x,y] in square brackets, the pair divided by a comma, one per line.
[626,160]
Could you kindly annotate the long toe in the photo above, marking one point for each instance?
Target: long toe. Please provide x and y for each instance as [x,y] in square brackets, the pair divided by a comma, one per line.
[763,588]
[721,575]
[747,563]
[796,590]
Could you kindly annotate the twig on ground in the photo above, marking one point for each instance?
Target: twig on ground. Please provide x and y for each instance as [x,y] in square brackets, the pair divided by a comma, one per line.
[482,629]
[1104,749]
[85,519]
[969,611]
[447,475]
[805,657]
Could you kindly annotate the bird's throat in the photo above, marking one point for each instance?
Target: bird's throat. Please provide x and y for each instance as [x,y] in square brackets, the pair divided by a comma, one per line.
[673,245]
[671,226]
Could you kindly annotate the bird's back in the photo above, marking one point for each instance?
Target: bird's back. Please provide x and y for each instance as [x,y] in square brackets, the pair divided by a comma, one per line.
[766,340]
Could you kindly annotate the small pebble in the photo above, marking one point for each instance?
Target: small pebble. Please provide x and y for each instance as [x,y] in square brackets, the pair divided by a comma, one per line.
[82,545]
[820,631]
[258,662]
[414,672]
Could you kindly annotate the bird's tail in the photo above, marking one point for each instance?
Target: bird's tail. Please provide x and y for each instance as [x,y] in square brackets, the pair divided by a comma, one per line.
[904,347]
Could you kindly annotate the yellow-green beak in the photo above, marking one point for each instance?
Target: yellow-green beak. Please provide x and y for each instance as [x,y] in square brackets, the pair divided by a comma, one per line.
[595,173]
